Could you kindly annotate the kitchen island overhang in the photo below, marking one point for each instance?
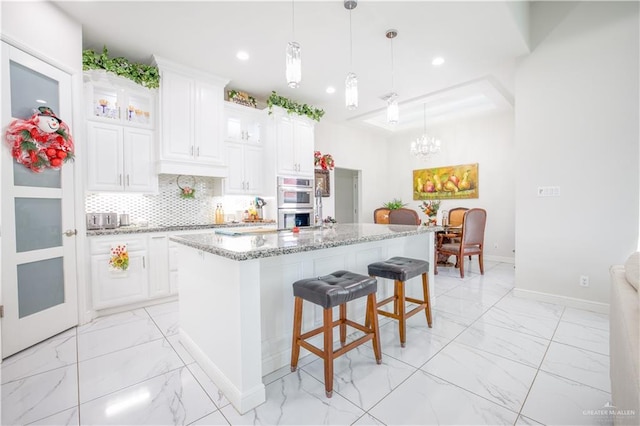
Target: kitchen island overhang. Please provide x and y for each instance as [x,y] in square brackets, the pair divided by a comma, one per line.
[236,301]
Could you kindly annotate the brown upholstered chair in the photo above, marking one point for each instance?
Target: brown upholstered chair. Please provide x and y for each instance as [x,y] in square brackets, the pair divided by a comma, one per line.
[456,215]
[471,240]
[381,215]
[404,217]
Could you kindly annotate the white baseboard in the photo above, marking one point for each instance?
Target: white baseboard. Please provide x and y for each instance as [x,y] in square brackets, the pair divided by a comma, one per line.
[241,401]
[572,302]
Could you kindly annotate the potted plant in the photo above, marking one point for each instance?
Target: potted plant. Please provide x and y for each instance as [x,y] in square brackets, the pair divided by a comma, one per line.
[394,205]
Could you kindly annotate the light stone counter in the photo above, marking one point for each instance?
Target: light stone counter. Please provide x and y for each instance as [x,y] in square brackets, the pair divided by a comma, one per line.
[236,300]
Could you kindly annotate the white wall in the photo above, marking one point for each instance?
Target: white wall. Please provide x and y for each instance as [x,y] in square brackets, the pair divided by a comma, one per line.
[358,150]
[576,127]
[486,139]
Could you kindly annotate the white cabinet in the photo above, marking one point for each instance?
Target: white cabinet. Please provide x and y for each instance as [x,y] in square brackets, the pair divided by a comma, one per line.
[120,158]
[115,288]
[294,146]
[158,265]
[244,147]
[191,114]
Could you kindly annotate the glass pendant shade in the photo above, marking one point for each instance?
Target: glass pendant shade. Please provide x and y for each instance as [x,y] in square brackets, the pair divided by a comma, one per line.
[393,112]
[425,146]
[351,91]
[294,65]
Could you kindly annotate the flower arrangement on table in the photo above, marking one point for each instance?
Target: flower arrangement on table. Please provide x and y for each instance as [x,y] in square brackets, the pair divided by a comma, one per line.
[119,260]
[325,162]
[430,208]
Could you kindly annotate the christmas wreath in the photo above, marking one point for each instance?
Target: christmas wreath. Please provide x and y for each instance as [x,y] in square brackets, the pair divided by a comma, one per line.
[41,141]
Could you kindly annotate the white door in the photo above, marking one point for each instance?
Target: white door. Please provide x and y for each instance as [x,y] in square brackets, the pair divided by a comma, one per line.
[39,290]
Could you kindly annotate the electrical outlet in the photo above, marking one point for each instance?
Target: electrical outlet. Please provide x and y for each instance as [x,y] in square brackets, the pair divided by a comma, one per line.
[495,245]
[584,281]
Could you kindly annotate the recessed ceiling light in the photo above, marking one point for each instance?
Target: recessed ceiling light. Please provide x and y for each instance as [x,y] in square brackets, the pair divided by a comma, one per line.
[242,55]
[331,89]
[437,61]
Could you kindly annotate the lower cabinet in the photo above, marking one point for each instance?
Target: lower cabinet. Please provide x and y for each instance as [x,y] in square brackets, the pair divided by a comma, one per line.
[152,271]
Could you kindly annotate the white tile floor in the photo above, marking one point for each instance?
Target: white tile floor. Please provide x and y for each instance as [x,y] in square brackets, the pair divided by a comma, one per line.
[490,358]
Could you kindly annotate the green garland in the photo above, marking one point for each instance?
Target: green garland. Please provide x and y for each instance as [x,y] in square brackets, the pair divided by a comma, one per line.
[292,106]
[145,75]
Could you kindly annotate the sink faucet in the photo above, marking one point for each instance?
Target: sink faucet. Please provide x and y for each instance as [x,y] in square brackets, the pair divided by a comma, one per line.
[319,204]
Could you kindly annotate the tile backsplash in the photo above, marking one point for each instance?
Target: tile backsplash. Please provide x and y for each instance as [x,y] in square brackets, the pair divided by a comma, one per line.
[167,208]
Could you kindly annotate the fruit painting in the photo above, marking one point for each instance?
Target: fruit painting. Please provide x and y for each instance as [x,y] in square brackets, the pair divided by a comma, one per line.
[448,182]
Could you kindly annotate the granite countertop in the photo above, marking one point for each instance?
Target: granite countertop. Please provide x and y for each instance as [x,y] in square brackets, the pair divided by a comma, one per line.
[255,246]
[144,229]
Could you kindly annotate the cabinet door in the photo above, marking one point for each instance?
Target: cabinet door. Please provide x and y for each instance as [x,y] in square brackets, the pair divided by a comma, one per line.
[138,161]
[158,266]
[253,125]
[303,139]
[286,158]
[253,169]
[104,157]
[208,126]
[233,121]
[177,103]
[235,182]
[173,268]
[111,288]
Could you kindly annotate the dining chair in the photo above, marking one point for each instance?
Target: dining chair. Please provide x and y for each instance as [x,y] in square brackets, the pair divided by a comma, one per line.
[456,215]
[404,217]
[471,240]
[381,215]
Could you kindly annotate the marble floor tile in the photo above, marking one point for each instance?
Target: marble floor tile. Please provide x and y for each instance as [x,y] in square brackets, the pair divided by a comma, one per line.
[39,396]
[302,361]
[359,379]
[117,337]
[511,303]
[53,353]
[168,323]
[580,365]
[182,352]
[586,318]
[485,296]
[525,421]
[521,322]
[507,343]
[297,399]
[207,384]
[577,335]
[368,420]
[163,308]
[497,278]
[497,379]
[427,400]
[114,320]
[214,419]
[469,309]
[68,417]
[420,346]
[443,284]
[117,370]
[173,398]
[443,324]
[554,400]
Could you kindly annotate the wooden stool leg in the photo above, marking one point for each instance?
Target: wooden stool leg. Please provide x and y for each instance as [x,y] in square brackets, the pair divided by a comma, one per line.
[343,324]
[297,328]
[328,351]
[427,300]
[402,321]
[372,312]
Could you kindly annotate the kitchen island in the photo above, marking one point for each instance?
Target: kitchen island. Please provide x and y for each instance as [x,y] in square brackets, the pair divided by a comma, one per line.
[236,301]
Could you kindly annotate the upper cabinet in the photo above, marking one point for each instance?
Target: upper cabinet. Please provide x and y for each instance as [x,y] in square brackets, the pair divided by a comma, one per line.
[120,136]
[191,117]
[294,145]
[243,124]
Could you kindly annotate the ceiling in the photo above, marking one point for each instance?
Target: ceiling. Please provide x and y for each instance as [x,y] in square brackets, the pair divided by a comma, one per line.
[479,41]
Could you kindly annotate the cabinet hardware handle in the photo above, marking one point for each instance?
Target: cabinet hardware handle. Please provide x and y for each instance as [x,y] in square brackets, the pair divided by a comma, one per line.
[120,179]
[191,152]
[198,152]
[144,266]
[247,185]
[70,232]
[128,180]
[157,238]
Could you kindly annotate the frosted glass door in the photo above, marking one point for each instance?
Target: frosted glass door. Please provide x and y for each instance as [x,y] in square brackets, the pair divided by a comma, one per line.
[38,243]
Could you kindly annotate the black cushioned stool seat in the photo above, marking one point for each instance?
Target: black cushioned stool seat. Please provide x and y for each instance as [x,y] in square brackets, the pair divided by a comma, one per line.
[329,291]
[401,269]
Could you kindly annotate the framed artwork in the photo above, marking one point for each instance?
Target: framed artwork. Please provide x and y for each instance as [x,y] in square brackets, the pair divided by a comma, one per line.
[448,182]
[322,179]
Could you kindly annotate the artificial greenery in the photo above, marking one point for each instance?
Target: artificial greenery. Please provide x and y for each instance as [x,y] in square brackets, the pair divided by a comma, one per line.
[292,106]
[394,205]
[145,75]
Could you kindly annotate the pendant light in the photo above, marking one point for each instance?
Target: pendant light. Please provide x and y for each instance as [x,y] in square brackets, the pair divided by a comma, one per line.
[351,82]
[393,112]
[425,146]
[294,60]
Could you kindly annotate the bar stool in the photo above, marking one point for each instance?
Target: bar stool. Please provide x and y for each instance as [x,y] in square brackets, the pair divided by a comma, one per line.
[400,269]
[332,290]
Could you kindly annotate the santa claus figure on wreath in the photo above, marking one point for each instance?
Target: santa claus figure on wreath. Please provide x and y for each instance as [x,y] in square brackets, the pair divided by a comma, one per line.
[41,141]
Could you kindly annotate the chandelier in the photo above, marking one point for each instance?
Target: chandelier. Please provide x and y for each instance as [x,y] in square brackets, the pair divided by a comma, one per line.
[426,145]
[393,112]
[351,82]
[294,60]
